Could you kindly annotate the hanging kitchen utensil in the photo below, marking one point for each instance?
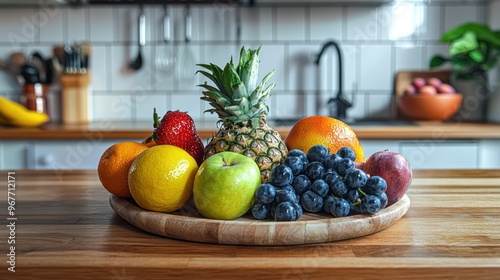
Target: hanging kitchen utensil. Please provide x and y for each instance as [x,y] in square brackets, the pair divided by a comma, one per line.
[38,62]
[30,74]
[136,64]
[166,59]
[185,70]
[17,60]
[49,66]
[19,78]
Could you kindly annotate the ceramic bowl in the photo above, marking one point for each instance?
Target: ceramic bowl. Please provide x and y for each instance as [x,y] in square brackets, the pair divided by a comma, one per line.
[430,107]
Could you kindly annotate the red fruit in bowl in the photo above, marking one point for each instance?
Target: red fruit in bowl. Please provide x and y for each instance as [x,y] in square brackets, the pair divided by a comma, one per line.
[435,82]
[446,89]
[418,83]
[394,168]
[410,90]
[428,90]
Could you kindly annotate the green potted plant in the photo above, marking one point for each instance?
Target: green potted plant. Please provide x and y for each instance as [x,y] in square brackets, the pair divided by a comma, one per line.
[474,49]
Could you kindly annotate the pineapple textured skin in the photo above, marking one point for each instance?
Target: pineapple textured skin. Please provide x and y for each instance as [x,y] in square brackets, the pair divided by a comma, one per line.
[262,144]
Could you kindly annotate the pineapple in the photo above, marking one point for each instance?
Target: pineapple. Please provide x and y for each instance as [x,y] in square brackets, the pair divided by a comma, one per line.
[240,102]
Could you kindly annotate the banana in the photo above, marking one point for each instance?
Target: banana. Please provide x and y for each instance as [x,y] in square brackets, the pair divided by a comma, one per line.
[12,113]
[4,121]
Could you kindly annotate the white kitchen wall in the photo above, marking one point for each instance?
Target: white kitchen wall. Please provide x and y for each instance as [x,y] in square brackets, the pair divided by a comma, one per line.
[376,42]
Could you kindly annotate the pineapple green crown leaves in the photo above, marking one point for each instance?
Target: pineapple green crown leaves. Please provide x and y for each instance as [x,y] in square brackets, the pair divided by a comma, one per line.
[237,96]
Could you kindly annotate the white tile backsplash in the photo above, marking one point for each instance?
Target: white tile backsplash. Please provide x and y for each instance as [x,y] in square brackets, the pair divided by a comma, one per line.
[19,26]
[376,41]
[117,106]
[302,73]
[216,23]
[430,26]
[379,105]
[145,103]
[102,24]
[362,24]
[325,23]
[273,57]
[376,71]
[187,102]
[76,32]
[52,28]
[409,55]
[291,24]
[256,24]
[101,74]
[455,15]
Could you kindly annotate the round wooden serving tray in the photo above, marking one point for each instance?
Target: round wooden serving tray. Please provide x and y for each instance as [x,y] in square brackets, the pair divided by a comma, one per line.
[187,224]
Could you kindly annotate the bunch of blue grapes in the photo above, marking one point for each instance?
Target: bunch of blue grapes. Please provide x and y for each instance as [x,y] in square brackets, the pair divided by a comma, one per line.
[318,181]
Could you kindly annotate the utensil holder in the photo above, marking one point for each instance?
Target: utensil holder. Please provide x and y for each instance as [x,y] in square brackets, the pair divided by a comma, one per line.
[74,99]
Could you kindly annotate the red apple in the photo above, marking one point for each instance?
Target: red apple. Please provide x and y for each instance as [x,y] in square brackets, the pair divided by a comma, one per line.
[410,90]
[428,90]
[418,83]
[446,89]
[435,82]
[394,168]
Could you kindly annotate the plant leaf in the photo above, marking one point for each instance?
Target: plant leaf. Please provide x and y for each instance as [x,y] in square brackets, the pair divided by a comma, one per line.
[437,61]
[476,55]
[466,43]
[481,31]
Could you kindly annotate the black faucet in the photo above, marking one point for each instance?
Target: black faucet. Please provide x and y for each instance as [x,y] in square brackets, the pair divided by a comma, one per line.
[341,103]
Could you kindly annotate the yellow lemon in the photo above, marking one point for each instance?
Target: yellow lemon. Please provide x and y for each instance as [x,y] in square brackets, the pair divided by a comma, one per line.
[161,178]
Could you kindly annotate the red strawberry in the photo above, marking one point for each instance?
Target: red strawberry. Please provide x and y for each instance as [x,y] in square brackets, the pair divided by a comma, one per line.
[178,129]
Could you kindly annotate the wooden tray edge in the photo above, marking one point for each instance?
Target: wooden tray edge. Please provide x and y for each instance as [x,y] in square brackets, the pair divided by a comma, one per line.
[245,231]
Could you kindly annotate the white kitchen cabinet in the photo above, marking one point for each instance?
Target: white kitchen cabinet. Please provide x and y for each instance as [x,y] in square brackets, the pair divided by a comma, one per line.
[372,146]
[452,154]
[15,155]
[76,154]
[449,154]
[489,156]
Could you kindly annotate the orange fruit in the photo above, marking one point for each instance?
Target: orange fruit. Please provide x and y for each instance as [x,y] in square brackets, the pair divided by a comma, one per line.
[114,165]
[161,178]
[326,131]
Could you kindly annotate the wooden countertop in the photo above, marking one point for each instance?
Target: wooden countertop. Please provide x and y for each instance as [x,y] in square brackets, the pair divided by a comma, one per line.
[140,130]
[65,229]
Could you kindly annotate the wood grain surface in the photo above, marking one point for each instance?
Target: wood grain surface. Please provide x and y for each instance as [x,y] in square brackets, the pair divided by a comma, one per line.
[187,224]
[66,229]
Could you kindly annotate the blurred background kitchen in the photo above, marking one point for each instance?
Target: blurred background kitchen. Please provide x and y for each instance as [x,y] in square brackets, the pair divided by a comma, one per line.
[377,39]
[93,50]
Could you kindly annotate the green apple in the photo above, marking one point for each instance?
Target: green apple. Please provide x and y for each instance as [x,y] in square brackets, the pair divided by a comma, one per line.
[224,186]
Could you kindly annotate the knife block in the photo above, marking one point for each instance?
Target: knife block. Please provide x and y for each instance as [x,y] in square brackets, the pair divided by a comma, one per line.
[74,98]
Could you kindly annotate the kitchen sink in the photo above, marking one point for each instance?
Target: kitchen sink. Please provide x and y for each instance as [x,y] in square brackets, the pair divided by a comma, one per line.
[351,122]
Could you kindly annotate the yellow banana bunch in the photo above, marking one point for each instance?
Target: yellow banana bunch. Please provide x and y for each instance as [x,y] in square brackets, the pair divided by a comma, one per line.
[14,114]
